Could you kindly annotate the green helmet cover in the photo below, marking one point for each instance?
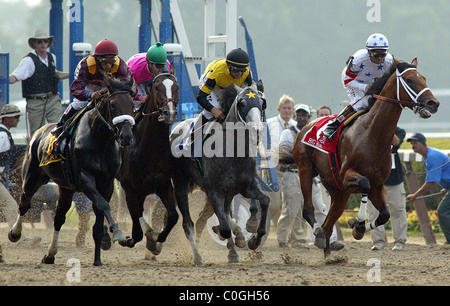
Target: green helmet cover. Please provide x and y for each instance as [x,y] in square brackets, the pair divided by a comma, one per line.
[156,54]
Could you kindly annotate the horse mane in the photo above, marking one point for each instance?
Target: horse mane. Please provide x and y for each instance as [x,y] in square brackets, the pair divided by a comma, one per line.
[116,85]
[379,83]
[227,97]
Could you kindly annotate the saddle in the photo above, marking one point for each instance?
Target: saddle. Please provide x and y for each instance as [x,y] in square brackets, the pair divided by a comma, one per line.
[314,138]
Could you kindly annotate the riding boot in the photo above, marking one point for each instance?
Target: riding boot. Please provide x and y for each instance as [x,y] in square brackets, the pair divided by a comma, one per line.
[69,113]
[333,127]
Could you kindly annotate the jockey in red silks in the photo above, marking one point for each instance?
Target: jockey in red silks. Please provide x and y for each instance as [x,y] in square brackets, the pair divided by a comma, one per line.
[89,76]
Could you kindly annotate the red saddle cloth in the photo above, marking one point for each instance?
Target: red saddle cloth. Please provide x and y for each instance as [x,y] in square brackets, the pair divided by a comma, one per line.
[315,138]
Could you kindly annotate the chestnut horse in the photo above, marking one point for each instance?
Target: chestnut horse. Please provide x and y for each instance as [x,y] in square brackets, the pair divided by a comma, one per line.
[363,152]
[147,165]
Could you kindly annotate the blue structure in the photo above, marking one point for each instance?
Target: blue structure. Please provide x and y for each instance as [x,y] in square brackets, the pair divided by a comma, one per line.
[4,79]
[56,30]
[76,31]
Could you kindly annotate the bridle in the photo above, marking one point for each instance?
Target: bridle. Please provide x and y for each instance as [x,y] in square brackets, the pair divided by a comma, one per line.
[116,120]
[164,102]
[414,104]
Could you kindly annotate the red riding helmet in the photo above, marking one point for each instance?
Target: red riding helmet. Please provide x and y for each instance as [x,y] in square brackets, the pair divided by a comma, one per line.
[106,47]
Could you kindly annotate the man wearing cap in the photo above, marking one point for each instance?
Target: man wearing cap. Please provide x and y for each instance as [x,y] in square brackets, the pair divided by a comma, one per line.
[39,77]
[290,227]
[437,164]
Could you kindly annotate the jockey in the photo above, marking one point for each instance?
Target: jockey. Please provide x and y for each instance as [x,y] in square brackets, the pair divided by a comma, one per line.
[221,74]
[144,66]
[362,69]
[89,78]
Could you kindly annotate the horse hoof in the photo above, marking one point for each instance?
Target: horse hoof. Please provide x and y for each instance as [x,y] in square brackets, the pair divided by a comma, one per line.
[216,230]
[352,222]
[48,260]
[233,258]
[12,237]
[129,242]
[321,240]
[357,233]
[239,241]
[251,226]
[254,242]
[98,263]
[154,247]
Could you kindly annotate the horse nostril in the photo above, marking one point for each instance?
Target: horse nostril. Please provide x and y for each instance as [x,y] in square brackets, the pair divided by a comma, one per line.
[432,105]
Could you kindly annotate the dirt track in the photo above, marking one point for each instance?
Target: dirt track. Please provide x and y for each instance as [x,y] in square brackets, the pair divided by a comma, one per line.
[418,264]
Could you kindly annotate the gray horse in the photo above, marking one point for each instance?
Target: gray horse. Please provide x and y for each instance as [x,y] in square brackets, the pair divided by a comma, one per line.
[226,168]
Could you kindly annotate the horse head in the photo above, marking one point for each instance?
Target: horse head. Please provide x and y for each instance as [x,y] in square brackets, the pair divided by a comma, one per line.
[412,86]
[118,109]
[248,108]
[164,96]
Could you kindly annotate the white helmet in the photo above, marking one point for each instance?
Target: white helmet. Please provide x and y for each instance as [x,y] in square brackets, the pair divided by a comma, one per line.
[377,41]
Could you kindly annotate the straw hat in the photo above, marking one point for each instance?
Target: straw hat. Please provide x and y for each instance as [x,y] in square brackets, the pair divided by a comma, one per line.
[39,34]
[10,110]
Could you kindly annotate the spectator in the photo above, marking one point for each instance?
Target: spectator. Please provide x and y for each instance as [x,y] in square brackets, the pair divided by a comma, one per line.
[39,77]
[396,200]
[437,164]
[276,125]
[10,116]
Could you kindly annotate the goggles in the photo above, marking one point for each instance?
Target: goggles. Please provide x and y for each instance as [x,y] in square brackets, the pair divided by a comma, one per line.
[377,54]
[107,60]
[238,69]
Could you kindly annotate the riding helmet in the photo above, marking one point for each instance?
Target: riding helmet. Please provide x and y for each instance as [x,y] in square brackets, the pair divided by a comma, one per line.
[238,58]
[156,54]
[106,47]
[377,41]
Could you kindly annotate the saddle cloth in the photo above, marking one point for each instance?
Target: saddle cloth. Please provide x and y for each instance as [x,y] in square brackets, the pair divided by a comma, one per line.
[48,156]
[314,137]
[195,146]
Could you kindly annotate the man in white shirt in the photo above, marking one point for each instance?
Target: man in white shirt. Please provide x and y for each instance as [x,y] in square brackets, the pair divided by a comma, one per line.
[39,77]
[9,116]
[276,126]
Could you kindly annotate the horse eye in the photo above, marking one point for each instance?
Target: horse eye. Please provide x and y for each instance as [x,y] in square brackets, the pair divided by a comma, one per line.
[242,103]
[410,81]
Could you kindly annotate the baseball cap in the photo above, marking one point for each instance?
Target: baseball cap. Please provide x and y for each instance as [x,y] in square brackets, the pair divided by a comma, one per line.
[302,107]
[418,137]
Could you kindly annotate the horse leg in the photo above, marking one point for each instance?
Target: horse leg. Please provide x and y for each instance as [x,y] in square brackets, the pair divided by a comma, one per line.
[101,201]
[254,192]
[337,207]
[34,178]
[181,194]
[378,199]
[355,181]
[172,219]
[252,222]
[306,183]
[64,203]
[206,213]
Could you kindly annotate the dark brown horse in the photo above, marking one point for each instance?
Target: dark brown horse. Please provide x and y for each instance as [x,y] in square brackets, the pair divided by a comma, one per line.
[363,152]
[94,160]
[147,165]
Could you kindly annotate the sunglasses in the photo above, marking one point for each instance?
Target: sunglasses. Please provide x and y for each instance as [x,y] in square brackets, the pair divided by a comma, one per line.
[17,117]
[237,69]
[40,41]
[379,55]
[106,60]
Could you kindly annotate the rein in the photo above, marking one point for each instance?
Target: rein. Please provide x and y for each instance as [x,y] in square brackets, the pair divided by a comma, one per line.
[414,104]
[113,128]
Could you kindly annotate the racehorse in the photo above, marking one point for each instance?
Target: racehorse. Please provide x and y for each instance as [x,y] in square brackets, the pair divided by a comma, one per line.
[147,165]
[363,152]
[93,160]
[222,175]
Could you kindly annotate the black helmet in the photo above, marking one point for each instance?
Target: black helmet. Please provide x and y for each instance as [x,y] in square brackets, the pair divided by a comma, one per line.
[238,58]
